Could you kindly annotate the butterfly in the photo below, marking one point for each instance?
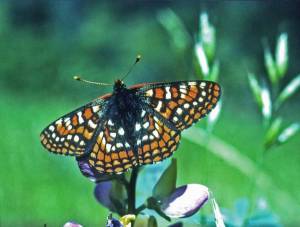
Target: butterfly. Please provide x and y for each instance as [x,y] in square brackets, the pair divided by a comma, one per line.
[131,126]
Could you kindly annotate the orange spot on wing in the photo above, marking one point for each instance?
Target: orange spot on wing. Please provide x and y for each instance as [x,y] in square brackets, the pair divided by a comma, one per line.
[217,87]
[123,154]
[146,147]
[87,134]
[88,113]
[216,93]
[114,156]
[80,130]
[166,137]
[75,120]
[159,93]
[161,143]
[154,145]
[100,155]
[172,105]
[157,159]
[107,158]
[174,92]
[193,91]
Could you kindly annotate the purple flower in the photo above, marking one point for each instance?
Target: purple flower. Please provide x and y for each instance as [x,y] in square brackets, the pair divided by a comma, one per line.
[72,224]
[102,194]
[91,173]
[185,200]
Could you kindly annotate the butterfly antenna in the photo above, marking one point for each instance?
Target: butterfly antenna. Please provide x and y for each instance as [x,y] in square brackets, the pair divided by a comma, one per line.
[91,82]
[138,58]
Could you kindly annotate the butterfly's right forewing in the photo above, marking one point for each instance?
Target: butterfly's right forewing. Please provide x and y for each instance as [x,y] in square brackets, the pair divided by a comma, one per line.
[73,133]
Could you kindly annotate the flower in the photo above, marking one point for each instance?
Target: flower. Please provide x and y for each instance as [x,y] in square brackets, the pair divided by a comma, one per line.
[102,194]
[72,224]
[90,173]
[185,200]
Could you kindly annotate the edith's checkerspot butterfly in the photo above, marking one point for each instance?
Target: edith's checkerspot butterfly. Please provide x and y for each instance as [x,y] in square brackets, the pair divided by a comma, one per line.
[131,126]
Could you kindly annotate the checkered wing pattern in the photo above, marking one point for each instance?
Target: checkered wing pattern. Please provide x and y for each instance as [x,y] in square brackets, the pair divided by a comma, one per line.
[111,152]
[72,133]
[156,140]
[182,103]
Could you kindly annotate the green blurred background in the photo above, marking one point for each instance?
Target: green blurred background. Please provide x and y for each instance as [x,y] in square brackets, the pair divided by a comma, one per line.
[43,44]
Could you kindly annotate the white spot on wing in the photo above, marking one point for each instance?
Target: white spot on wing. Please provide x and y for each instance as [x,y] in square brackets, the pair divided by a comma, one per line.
[137,127]
[96,108]
[192,83]
[203,84]
[156,134]
[110,122]
[145,138]
[143,113]
[149,93]
[119,145]
[113,134]
[80,119]
[203,93]
[168,93]
[146,125]
[159,105]
[179,111]
[92,124]
[76,138]
[186,105]
[58,122]
[121,131]
[69,137]
[108,147]
[51,128]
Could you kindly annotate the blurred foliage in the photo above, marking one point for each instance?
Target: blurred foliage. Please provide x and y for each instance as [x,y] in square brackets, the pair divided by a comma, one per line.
[43,44]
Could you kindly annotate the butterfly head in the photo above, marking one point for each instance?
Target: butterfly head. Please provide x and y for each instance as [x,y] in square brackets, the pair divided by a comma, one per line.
[119,84]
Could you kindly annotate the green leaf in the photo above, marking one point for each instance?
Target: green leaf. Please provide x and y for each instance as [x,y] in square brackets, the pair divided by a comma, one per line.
[215,70]
[255,88]
[273,132]
[175,27]
[282,55]
[214,115]
[266,103]
[207,36]
[288,133]
[167,182]
[288,91]
[202,59]
[152,221]
[154,204]
[118,196]
[270,66]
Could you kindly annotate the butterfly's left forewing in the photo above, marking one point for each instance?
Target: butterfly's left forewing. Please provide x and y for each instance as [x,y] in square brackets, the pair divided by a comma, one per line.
[73,133]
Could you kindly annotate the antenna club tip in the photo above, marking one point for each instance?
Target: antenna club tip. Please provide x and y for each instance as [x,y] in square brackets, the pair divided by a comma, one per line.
[76,78]
[138,57]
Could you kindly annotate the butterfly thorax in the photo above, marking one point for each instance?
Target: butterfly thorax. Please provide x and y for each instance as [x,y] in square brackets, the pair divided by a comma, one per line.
[124,108]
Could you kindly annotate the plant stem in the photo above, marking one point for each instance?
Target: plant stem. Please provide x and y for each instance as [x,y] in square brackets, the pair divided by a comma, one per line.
[140,209]
[131,191]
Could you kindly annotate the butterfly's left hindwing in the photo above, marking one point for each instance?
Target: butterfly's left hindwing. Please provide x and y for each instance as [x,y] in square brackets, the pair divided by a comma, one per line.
[72,134]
